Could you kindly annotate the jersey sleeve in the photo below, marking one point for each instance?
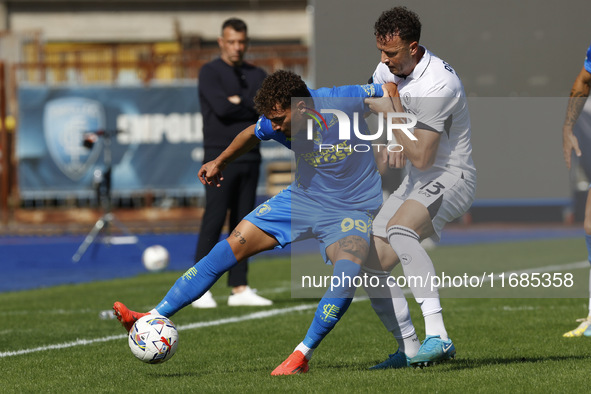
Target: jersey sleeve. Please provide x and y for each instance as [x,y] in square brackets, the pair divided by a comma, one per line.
[356,91]
[588,60]
[263,130]
[382,74]
[435,111]
[346,98]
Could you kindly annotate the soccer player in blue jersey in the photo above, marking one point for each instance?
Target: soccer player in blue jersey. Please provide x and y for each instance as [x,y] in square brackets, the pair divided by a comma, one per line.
[570,144]
[330,188]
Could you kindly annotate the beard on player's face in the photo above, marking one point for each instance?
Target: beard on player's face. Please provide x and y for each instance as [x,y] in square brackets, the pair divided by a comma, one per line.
[401,66]
[396,55]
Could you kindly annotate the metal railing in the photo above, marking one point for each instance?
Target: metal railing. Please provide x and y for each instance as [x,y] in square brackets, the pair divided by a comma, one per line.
[143,64]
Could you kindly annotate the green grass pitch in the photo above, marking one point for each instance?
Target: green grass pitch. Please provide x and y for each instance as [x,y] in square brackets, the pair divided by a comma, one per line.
[51,340]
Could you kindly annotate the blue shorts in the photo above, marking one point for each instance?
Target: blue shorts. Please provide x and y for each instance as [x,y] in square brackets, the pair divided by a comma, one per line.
[292,216]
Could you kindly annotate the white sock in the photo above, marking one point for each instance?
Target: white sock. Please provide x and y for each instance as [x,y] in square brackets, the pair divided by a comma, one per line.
[409,346]
[432,313]
[416,263]
[390,305]
[434,325]
[305,350]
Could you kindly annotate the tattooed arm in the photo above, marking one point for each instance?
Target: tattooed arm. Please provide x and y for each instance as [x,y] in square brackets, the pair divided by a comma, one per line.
[578,96]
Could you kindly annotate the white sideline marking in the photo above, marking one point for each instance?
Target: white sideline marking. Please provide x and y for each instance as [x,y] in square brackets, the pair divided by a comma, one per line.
[251,316]
[552,268]
[78,342]
[548,268]
[191,326]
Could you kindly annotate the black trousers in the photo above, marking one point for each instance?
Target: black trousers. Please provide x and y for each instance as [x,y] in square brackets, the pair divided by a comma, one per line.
[238,195]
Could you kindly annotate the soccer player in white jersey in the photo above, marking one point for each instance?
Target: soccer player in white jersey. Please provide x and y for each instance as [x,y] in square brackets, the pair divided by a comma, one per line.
[570,144]
[439,185]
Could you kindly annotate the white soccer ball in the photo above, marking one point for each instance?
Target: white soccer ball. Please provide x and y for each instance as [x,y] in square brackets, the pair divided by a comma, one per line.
[155,258]
[153,339]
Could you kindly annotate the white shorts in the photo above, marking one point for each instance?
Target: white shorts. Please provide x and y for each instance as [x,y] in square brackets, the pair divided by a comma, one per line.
[445,195]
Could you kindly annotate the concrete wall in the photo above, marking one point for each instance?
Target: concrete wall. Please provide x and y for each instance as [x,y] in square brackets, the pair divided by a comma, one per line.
[501,48]
[531,48]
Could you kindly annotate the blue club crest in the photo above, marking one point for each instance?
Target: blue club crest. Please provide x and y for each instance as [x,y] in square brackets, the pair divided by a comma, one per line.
[65,121]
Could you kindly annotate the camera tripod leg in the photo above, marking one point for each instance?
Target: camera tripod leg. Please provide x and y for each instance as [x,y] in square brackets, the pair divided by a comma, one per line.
[98,226]
[105,221]
[110,218]
[103,224]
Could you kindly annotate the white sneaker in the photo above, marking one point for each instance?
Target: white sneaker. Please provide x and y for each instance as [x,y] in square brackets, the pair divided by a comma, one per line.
[248,297]
[206,301]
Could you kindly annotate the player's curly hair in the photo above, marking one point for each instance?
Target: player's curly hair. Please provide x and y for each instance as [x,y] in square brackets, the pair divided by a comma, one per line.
[278,89]
[398,21]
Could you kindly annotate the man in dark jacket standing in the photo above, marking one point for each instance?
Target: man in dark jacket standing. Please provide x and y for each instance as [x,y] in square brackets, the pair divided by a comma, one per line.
[227,87]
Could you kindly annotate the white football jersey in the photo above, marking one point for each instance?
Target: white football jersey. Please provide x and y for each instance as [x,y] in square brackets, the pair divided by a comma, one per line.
[434,93]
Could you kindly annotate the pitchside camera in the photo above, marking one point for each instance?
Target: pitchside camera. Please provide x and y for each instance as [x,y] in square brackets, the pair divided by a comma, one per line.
[102,184]
[90,138]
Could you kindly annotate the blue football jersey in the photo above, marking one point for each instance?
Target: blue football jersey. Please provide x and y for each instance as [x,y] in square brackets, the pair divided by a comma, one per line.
[329,170]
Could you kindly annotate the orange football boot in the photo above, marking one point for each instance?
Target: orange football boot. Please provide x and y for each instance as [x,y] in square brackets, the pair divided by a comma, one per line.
[295,364]
[126,316]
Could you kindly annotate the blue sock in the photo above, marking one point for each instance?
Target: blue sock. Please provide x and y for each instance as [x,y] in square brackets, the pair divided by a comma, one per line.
[198,279]
[335,302]
[588,242]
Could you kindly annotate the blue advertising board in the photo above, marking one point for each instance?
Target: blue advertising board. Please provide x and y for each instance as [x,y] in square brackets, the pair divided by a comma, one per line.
[155,134]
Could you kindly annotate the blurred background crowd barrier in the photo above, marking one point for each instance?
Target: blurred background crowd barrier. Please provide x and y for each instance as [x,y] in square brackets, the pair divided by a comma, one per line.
[73,67]
[137,85]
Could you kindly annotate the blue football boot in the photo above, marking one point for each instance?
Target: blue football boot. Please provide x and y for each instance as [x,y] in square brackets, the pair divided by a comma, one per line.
[432,351]
[394,361]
